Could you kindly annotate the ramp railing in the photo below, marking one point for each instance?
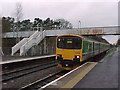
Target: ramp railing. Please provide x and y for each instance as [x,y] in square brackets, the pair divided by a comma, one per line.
[22,42]
[31,42]
[18,46]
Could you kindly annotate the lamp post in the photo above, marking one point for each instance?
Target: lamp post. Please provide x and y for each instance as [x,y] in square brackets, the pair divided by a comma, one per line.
[79,24]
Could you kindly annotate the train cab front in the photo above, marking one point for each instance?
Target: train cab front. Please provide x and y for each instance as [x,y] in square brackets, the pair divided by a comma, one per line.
[69,52]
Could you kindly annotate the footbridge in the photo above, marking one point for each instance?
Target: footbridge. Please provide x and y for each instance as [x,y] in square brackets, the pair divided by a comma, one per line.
[32,38]
[110,30]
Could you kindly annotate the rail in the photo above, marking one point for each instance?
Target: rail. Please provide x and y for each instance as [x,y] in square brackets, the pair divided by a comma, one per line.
[22,72]
[41,82]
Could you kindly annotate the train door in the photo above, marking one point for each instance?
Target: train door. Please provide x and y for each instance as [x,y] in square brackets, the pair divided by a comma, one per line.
[99,48]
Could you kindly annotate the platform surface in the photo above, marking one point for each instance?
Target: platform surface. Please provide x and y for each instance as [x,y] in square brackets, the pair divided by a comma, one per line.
[71,78]
[5,60]
[104,75]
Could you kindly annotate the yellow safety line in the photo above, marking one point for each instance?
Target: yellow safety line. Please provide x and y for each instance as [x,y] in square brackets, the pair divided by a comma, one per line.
[77,78]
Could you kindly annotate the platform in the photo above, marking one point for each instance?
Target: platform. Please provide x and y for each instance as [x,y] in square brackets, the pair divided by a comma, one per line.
[12,59]
[103,74]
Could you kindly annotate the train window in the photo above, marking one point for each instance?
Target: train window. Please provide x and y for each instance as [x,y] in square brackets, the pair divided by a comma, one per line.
[96,46]
[69,43]
[90,46]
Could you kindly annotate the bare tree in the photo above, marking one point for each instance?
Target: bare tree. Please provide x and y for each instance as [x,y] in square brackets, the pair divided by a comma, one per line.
[18,11]
[18,17]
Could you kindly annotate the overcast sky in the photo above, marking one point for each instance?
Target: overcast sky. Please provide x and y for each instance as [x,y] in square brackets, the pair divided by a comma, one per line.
[89,12]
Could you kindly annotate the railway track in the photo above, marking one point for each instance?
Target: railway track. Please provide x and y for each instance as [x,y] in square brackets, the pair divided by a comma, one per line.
[41,82]
[22,72]
[17,76]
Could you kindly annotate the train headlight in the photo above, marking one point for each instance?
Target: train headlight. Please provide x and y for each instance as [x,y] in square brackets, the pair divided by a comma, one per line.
[77,56]
[66,64]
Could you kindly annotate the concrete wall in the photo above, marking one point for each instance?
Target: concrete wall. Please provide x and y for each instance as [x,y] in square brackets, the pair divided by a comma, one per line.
[7,44]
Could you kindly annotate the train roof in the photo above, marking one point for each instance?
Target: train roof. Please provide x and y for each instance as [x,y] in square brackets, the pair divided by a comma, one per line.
[93,39]
[69,35]
[100,40]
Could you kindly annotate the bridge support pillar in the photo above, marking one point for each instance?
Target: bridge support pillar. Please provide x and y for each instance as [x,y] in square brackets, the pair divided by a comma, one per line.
[45,46]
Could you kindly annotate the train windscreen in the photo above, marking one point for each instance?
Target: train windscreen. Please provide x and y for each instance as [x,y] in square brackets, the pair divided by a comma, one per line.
[69,42]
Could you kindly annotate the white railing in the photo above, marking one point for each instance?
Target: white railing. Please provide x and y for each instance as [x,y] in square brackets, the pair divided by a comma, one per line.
[33,40]
[22,42]
[34,35]
[18,46]
[40,37]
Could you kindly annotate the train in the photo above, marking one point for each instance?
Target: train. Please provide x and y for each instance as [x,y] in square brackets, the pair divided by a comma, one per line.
[71,50]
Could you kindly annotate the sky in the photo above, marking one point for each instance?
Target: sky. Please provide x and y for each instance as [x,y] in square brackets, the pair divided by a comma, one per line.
[91,13]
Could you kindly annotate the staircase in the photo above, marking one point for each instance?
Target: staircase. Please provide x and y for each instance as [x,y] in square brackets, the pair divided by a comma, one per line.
[25,44]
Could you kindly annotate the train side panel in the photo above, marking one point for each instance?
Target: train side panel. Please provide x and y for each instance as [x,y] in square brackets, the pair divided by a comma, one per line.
[96,48]
[87,49]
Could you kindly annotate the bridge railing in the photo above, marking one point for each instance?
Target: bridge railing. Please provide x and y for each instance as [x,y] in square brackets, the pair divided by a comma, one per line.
[111,30]
[104,30]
